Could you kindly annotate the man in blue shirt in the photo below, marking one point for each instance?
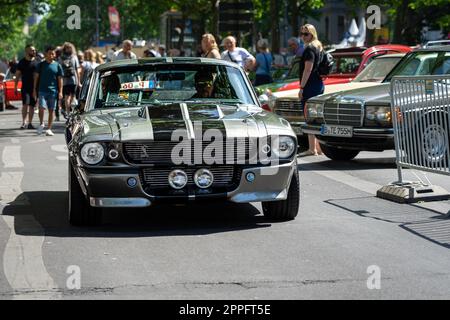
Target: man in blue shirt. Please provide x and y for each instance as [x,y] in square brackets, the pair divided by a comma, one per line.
[48,86]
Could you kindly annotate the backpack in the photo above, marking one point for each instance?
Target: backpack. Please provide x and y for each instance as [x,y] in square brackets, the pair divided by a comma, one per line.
[67,66]
[326,63]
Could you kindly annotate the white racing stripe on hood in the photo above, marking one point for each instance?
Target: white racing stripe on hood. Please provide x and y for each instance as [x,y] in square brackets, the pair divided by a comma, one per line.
[187,120]
[150,125]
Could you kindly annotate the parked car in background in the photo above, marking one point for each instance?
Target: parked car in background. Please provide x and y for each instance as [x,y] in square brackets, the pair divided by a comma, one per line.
[349,122]
[9,85]
[287,105]
[350,62]
[290,75]
[436,43]
[177,130]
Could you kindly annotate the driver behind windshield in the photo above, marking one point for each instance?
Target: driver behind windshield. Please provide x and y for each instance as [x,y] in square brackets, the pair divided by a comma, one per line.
[110,84]
[204,84]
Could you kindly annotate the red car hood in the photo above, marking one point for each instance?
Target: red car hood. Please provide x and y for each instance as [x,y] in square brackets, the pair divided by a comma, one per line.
[327,81]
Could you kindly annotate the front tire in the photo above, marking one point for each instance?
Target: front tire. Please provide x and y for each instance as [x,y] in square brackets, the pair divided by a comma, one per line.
[80,211]
[338,154]
[285,210]
[434,140]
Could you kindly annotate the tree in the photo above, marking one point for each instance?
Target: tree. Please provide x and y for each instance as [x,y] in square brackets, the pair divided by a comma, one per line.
[139,19]
[408,17]
[12,21]
[275,30]
[302,9]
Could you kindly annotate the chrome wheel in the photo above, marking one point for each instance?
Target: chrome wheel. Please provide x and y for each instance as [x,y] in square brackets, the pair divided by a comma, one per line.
[434,143]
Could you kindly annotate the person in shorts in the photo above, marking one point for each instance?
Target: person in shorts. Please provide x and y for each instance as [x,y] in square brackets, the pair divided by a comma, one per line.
[25,71]
[72,71]
[48,86]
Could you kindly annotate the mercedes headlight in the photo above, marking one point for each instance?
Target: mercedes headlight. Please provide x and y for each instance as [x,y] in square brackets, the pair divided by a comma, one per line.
[272,102]
[263,99]
[381,115]
[314,110]
[285,148]
[92,153]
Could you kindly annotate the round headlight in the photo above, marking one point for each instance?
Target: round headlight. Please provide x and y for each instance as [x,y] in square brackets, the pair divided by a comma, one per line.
[178,179]
[286,147]
[92,153]
[371,113]
[203,178]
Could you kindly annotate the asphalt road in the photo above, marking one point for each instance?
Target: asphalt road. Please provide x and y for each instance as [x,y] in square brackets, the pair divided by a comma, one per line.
[343,238]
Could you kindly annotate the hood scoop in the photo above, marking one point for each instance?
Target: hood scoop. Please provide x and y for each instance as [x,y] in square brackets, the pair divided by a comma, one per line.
[181,112]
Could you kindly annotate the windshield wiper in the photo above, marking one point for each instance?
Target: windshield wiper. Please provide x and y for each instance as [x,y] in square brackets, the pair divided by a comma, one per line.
[118,104]
[214,101]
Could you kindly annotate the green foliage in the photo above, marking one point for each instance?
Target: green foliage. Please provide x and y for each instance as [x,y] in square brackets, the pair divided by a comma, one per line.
[139,19]
[12,20]
[408,17]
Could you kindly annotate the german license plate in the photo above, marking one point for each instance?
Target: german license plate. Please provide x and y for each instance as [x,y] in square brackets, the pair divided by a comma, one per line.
[336,131]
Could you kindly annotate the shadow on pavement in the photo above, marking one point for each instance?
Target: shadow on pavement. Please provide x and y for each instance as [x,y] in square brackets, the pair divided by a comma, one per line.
[49,209]
[419,221]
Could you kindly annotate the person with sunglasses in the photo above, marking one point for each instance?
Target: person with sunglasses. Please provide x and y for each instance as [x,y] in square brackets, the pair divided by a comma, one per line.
[311,83]
[204,84]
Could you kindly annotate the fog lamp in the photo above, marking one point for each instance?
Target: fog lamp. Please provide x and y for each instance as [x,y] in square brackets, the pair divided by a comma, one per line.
[178,179]
[203,178]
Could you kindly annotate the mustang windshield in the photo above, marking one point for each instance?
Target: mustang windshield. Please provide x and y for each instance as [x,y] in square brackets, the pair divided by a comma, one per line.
[167,83]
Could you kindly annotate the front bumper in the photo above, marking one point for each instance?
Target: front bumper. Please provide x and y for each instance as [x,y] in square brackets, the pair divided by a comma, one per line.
[364,139]
[297,127]
[110,189]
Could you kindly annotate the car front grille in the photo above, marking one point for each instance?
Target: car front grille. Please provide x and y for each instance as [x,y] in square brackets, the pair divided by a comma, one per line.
[160,152]
[288,105]
[343,114]
[224,176]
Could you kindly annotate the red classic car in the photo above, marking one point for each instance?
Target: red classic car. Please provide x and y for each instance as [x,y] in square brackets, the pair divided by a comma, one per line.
[349,62]
[8,85]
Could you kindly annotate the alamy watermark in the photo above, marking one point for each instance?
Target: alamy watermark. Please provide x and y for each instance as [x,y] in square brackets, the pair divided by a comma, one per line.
[73,22]
[374,20]
[73,282]
[214,147]
[374,280]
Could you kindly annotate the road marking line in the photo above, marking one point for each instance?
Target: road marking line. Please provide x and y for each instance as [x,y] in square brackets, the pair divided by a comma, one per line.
[38,141]
[11,157]
[23,264]
[59,148]
[10,192]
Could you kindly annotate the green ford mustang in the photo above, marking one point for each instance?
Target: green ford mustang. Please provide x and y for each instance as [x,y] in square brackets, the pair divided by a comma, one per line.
[177,130]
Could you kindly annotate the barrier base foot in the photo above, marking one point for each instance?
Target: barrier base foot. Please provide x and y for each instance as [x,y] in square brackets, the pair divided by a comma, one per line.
[413,192]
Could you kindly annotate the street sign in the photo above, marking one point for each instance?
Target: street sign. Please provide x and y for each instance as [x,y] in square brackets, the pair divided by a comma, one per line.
[235,16]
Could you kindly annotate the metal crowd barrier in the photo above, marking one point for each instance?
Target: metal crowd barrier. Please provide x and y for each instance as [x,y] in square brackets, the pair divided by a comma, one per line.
[421,118]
